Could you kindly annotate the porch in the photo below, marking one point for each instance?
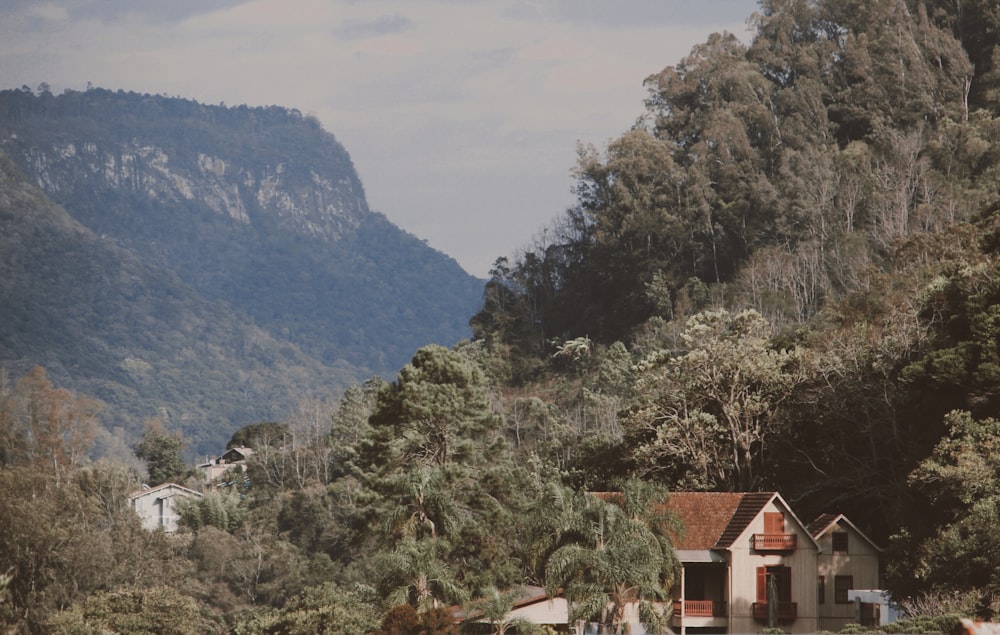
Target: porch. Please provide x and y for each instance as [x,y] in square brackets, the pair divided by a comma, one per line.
[703,600]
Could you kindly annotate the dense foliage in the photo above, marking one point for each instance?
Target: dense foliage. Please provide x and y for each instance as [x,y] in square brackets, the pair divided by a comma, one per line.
[243,229]
[784,277]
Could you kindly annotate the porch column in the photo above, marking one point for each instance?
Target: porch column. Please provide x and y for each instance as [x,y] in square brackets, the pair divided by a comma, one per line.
[683,596]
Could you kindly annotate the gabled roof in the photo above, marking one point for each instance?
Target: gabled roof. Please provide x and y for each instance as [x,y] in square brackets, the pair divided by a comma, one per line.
[704,515]
[714,520]
[750,505]
[528,595]
[826,522]
[160,488]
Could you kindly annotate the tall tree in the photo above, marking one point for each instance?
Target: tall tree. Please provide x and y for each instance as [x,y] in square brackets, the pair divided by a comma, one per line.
[616,553]
[162,453]
[708,414]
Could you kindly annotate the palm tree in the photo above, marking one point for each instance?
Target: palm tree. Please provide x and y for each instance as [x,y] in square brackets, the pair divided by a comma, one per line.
[414,573]
[618,554]
[496,606]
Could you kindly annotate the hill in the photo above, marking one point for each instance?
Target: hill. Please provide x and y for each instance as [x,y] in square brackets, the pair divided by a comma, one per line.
[250,222]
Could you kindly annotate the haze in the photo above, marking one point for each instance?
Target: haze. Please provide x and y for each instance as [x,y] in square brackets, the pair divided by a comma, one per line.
[462,117]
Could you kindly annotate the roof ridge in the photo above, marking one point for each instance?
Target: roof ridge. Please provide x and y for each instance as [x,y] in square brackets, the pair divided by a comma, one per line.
[749,506]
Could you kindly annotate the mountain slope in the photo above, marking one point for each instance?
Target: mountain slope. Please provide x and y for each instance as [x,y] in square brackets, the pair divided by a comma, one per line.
[257,207]
[106,324]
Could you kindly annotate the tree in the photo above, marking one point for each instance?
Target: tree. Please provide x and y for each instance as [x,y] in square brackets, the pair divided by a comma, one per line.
[329,608]
[162,453]
[154,611]
[496,608]
[222,510]
[415,573]
[44,425]
[956,549]
[616,552]
[707,414]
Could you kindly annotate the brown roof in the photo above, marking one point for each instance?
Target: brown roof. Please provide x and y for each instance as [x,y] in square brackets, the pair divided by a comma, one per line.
[819,525]
[713,520]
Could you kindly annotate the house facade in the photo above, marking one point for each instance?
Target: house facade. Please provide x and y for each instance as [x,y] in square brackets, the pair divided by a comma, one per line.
[848,562]
[747,562]
[157,506]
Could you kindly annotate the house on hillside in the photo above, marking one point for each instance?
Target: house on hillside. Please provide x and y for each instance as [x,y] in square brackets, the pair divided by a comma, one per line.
[156,506]
[741,550]
[747,562]
[848,569]
[217,466]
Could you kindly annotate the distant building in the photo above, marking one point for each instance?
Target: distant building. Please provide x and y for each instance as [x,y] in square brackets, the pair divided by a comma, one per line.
[216,467]
[156,506]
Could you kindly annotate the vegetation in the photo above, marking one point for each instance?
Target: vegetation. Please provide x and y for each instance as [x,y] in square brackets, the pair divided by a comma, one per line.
[243,229]
[784,277]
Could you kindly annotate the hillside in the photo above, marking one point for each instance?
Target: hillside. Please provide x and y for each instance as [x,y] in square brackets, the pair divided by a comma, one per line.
[249,224]
[138,338]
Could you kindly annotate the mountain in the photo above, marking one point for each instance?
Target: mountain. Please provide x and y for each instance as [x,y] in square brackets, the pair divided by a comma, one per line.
[179,229]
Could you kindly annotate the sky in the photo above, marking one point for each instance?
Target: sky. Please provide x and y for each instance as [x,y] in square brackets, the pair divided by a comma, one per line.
[462,117]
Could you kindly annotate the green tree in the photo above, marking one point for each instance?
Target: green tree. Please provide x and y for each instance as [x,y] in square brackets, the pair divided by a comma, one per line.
[329,608]
[153,611]
[615,553]
[162,453]
[222,510]
[496,607]
[956,549]
[415,573]
[707,415]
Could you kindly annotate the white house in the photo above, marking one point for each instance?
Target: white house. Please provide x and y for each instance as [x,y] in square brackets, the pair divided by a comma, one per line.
[156,506]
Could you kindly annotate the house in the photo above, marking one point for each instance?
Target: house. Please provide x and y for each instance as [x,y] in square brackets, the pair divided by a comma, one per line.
[847,563]
[747,562]
[532,605]
[217,466]
[156,506]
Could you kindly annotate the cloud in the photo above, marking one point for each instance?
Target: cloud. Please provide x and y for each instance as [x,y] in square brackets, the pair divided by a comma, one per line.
[461,117]
[380,26]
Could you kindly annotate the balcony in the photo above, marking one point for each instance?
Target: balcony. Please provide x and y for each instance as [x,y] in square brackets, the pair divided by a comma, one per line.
[700,608]
[787,611]
[774,542]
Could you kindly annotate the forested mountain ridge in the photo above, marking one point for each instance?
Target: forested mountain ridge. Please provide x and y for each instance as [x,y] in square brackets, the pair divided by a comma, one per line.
[246,220]
[768,175]
[135,336]
[257,207]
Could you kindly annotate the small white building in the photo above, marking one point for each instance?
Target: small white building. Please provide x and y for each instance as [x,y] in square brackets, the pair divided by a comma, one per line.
[156,506]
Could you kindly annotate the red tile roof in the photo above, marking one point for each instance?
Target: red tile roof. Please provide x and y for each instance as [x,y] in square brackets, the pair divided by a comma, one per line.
[713,520]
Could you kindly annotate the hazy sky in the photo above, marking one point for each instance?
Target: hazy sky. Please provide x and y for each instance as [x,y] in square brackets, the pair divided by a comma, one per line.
[462,116]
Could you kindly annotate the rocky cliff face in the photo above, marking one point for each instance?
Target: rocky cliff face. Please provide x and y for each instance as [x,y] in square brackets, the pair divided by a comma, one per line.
[259,209]
[309,203]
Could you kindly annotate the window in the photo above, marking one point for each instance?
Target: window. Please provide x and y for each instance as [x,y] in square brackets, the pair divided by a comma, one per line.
[839,541]
[841,585]
[782,577]
[821,587]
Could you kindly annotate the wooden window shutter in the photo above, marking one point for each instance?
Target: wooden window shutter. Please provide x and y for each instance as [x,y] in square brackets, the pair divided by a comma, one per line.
[762,584]
[774,523]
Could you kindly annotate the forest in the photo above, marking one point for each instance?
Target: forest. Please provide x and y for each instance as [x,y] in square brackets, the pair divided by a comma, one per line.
[785,277]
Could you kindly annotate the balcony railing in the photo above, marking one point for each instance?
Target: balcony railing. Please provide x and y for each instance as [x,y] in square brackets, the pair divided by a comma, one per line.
[786,611]
[701,608]
[774,542]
